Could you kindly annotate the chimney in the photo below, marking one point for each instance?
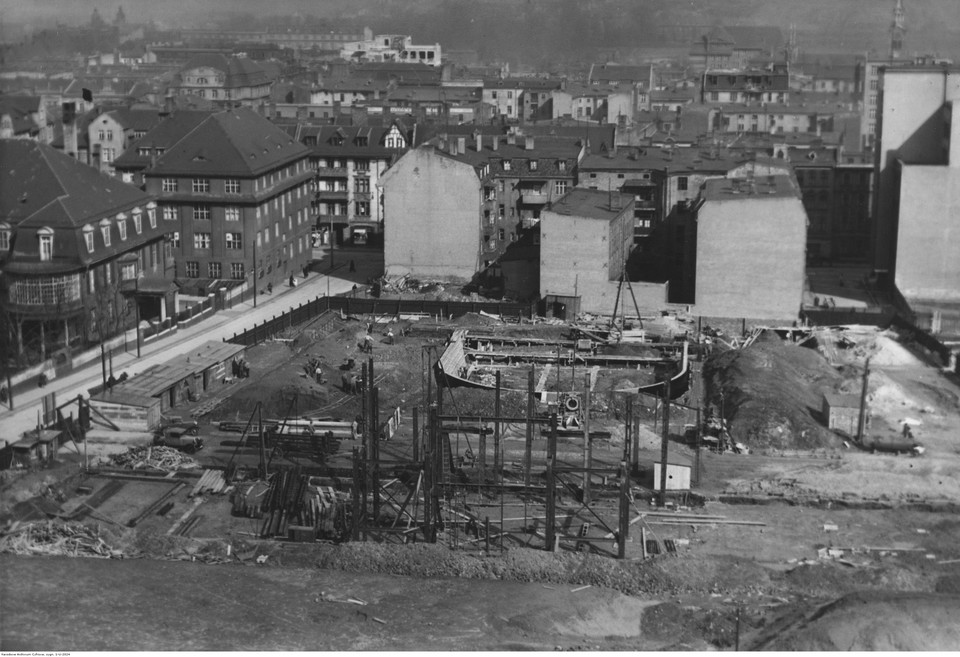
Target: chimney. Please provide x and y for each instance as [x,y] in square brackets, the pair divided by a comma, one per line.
[511,139]
[461,145]
[496,142]
[528,143]
[70,129]
[479,142]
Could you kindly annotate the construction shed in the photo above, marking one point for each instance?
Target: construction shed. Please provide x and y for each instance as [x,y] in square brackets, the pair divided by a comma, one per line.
[35,446]
[679,469]
[841,412]
[185,376]
[126,410]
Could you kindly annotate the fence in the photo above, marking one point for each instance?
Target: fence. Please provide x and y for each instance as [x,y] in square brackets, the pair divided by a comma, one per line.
[349,305]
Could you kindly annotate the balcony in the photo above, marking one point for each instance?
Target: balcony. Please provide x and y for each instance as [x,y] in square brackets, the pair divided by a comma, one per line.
[331,172]
[534,197]
[331,195]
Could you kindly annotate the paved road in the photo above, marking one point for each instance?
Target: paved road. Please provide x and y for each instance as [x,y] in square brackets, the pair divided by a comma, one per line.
[221,325]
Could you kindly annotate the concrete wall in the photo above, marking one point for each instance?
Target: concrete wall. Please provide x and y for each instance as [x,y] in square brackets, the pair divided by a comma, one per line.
[928,237]
[431,217]
[911,128]
[750,258]
[583,256]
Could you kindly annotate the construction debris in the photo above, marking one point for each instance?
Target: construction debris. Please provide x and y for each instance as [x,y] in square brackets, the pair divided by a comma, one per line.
[53,538]
[165,459]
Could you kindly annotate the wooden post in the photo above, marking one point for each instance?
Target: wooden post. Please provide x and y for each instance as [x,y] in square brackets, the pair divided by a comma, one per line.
[483,451]
[643,542]
[375,455]
[355,496]
[587,447]
[496,429]
[862,417]
[528,446]
[416,434]
[635,447]
[550,528]
[664,441]
[696,465]
[486,533]
[624,532]
[628,429]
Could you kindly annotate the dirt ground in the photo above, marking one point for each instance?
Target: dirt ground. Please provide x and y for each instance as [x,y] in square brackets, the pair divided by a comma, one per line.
[804,538]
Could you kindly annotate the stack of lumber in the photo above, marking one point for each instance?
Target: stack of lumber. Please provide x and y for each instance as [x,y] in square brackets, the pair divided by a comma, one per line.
[212,481]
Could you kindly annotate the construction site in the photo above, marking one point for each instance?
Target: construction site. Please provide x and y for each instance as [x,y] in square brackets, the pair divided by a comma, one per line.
[638,482]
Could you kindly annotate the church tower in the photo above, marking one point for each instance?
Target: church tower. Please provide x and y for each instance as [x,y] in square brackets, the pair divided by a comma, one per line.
[896,31]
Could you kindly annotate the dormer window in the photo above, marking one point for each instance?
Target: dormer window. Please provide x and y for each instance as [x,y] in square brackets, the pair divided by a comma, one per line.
[533,165]
[105,231]
[5,237]
[137,221]
[561,165]
[152,214]
[122,225]
[88,237]
[45,236]
[506,165]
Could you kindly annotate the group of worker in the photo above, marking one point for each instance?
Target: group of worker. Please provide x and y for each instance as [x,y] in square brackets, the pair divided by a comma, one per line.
[366,346]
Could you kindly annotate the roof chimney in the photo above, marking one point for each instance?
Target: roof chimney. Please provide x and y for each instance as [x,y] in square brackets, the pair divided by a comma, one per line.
[461,145]
[511,139]
[496,142]
[528,143]
[479,142]
[70,129]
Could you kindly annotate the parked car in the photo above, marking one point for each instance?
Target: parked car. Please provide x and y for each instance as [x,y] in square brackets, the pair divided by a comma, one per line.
[179,435]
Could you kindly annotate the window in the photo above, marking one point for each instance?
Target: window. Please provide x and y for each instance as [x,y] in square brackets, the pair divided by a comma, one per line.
[362,185]
[201,212]
[231,186]
[105,231]
[561,165]
[361,165]
[363,208]
[235,241]
[201,240]
[214,270]
[101,135]
[122,227]
[168,185]
[87,238]
[193,270]
[128,271]
[91,281]
[46,244]
[175,239]
[231,214]
[106,155]
[170,213]
[201,185]
[236,270]
[533,165]
[560,187]
[682,183]
[873,85]
[506,165]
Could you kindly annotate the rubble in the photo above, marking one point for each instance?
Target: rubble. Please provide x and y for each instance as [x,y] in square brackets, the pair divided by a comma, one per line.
[56,539]
[161,458]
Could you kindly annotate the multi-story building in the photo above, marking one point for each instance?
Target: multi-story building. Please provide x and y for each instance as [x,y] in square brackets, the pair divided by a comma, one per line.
[638,78]
[474,197]
[917,193]
[750,241]
[336,93]
[392,48]
[25,117]
[586,238]
[143,152]
[82,255]
[771,118]
[596,103]
[235,194]
[754,86]
[111,133]
[348,163]
[305,38]
[227,81]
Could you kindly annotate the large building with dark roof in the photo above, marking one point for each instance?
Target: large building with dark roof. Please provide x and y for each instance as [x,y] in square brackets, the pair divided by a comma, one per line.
[75,246]
[235,192]
[225,80]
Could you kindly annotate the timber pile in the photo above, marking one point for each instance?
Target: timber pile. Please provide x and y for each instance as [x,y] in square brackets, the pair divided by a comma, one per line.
[161,458]
[59,539]
[212,481]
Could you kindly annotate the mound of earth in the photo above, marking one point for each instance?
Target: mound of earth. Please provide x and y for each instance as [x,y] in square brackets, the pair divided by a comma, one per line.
[871,621]
[772,392]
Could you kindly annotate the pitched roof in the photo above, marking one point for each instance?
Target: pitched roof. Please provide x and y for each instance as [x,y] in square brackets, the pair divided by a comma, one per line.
[237,71]
[164,135]
[233,142]
[44,187]
[611,72]
[136,119]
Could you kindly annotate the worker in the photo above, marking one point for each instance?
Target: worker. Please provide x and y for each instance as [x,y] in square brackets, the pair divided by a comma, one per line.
[368,343]
[318,373]
[390,337]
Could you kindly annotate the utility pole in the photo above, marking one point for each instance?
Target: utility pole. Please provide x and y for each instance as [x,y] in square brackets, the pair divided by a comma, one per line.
[664,441]
[862,417]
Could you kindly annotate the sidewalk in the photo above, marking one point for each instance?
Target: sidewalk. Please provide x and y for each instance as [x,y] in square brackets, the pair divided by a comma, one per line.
[219,326]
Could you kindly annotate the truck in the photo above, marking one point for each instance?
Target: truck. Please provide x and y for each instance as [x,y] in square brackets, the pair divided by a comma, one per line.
[181,435]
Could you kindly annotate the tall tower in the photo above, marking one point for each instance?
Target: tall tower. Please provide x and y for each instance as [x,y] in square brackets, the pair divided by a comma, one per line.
[896,31]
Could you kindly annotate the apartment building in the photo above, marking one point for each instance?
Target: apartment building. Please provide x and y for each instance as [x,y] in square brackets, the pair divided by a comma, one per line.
[225,80]
[235,194]
[82,255]
[111,133]
[754,85]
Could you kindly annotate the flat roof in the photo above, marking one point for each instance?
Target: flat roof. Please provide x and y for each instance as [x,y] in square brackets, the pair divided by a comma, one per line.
[592,204]
[761,187]
[159,378]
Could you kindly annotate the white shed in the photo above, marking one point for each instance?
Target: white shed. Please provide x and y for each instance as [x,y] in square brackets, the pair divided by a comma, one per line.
[679,469]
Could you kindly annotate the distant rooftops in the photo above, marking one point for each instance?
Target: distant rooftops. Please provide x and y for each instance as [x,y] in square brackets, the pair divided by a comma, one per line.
[758,187]
[592,204]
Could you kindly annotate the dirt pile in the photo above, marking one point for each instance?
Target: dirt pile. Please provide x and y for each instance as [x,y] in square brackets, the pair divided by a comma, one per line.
[871,621]
[771,394]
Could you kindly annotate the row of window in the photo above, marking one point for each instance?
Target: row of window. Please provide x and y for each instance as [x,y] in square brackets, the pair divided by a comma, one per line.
[233,241]
[215,270]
